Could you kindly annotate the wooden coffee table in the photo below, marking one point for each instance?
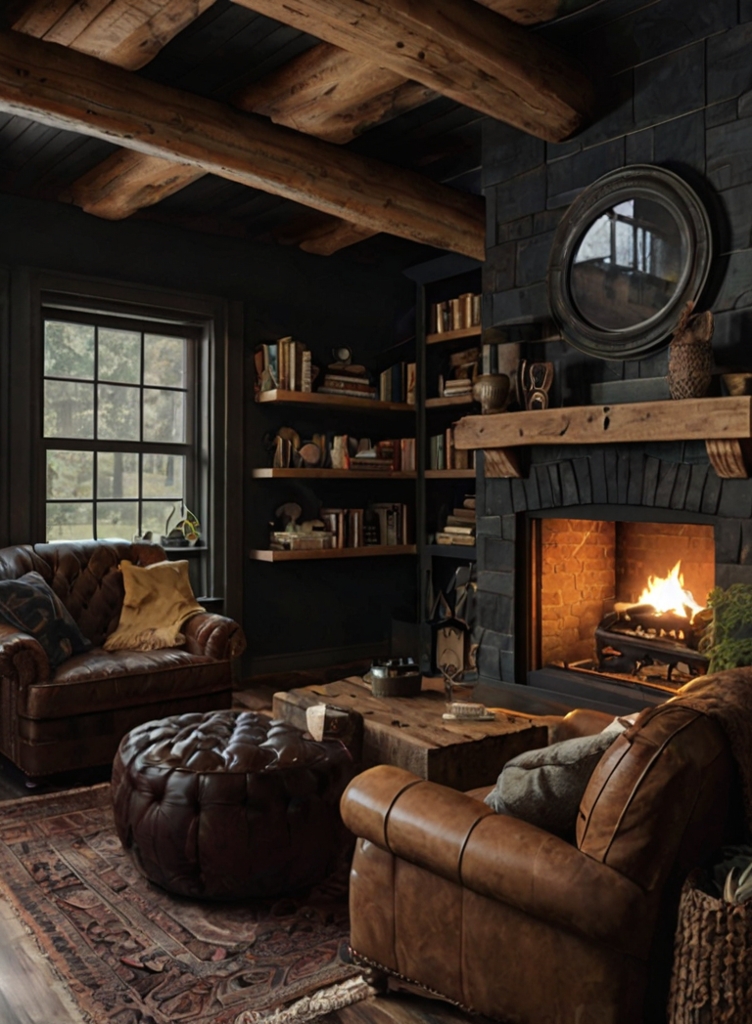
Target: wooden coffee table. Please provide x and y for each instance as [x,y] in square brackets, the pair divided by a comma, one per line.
[410,733]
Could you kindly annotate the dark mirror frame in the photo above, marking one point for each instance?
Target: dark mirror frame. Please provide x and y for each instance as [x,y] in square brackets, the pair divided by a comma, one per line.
[639,181]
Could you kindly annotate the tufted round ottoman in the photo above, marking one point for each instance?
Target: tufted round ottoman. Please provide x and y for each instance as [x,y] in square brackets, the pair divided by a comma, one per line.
[228,804]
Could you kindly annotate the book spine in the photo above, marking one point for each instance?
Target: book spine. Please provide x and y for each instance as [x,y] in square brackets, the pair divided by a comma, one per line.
[410,384]
[455,307]
[306,375]
[476,311]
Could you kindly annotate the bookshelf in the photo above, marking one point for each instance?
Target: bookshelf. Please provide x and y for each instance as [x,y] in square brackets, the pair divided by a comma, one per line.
[267,473]
[446,336]
[372,551]
[332,401]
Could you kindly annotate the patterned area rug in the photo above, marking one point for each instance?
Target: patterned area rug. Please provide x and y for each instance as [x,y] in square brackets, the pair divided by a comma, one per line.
[130,953]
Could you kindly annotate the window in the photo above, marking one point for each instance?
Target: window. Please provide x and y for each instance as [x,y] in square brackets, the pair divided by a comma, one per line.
[122,450]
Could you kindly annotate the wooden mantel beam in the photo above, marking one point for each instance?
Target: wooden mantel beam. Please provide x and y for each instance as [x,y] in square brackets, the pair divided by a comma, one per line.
[68,90]
[460,48]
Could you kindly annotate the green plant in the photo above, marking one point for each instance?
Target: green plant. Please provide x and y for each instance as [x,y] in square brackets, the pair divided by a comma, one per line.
[731,633]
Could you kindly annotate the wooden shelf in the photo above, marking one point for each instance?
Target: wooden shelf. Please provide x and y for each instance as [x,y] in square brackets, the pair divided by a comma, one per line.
[338,401]
[688,419]
[382,550]
[464,332]
[452,551]
[264,473]
[450,474]
[445,403]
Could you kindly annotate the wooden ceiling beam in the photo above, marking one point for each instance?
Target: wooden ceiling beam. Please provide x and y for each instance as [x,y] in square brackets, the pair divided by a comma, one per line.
[461,49]
[75,92]
[129,33]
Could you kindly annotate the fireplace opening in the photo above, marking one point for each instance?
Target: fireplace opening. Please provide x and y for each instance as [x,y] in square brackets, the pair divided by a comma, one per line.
[596,612]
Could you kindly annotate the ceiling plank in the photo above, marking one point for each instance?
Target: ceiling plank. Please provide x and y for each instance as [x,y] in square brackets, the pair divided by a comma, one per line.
[75,92]
[527,12]
[461,49]
[129,33]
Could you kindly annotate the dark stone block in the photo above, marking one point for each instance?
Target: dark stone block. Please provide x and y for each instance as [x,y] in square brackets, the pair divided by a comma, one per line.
[745,10]
[544,486]
[487,309]
[736,290]
[733,328]
[569,492]
[521,304]
[745,553]
[727,575]
[669,86]
[509,527]
[666,481]
[729,68]
[581,468]
[728,540]
[520,196]
[737,202]
[496,583]
[636,477]
[532,259]
[495,611]
[681,143]
[519,498]
[598,478]
[679,493]
[722,113]
[507,152]
[697,477]
[558,150]
[498,555]
[640,147]
[744,105]
[515,229]
[532,494]
[488,526]
[622,477]
[650,480]
[611,463]
[546,221]
[553,475]
[736,499]
[620,116]
[498,497]
[488,659]
[567,178]
[729,154]
[492,221]
[499,267]
[711,494]
[508,667]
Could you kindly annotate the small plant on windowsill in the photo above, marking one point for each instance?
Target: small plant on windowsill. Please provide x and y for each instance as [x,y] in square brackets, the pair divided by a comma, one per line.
[185,533]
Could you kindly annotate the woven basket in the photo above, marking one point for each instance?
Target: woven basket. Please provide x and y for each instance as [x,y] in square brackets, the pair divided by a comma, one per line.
[711,982]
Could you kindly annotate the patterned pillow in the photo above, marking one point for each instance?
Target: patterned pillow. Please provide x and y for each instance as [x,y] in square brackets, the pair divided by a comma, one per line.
[31,606]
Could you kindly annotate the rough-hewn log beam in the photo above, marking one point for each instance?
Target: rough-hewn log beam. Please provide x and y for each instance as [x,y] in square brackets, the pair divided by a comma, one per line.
[73,91]
[461,49]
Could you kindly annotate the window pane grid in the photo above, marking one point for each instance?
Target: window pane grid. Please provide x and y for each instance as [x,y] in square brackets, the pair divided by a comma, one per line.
[110,505]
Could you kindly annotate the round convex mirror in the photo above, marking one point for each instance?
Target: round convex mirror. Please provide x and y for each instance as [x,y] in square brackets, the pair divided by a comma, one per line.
[631,251]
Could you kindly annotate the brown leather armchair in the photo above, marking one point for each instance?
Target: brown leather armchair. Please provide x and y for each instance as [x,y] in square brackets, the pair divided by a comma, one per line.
[76,715]
[511,921]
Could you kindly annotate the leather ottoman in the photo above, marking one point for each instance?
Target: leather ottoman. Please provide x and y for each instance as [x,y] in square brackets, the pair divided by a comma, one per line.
[230,805]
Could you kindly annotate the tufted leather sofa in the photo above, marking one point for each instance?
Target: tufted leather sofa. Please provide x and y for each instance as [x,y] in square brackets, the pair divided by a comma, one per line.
[511,921]
[75,716]
[230,805]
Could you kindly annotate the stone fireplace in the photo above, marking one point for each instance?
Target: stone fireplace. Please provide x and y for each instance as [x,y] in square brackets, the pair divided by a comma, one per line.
[584,527]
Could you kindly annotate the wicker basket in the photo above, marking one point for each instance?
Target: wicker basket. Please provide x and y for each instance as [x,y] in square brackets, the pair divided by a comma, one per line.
[711,981]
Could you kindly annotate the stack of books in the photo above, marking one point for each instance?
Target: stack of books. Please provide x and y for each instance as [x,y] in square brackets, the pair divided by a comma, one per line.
[461,387]
[397,383]
[455,314]
[463,367]
[352,385]
[283,364]
[460,526]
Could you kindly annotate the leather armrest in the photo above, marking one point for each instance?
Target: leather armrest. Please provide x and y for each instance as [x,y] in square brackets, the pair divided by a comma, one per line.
[22,658]
[508,860]
[214,636]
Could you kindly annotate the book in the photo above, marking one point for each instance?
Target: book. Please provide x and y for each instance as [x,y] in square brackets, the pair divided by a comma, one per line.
[306,377]
[350,382]
[469,501]
[348,392]
[460,521]
[464,513]
[410,383]
[461,531]
[451,538]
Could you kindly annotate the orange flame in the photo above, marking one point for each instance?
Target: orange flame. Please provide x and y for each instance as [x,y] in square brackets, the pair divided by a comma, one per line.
[668,594]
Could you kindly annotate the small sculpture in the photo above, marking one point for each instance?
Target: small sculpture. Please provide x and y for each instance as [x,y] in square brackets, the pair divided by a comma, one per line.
[535,383]
[690,355]
[492,391]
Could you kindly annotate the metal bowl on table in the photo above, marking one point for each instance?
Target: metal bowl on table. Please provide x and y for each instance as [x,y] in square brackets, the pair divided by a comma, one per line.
[394,677]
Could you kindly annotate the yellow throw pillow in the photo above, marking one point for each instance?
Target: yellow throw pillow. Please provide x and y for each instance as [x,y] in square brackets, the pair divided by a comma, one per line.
[158,600]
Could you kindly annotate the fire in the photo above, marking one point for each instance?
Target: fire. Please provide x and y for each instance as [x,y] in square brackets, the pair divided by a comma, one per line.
[669,595]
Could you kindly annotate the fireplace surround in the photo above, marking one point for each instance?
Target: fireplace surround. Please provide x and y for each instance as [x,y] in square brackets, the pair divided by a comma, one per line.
[633,483]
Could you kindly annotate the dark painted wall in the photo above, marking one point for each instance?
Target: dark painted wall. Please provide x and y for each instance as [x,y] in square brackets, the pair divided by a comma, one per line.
[323,302]
[677,77]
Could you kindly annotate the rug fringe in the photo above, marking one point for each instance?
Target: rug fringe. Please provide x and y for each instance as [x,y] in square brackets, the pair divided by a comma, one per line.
[311,1006]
